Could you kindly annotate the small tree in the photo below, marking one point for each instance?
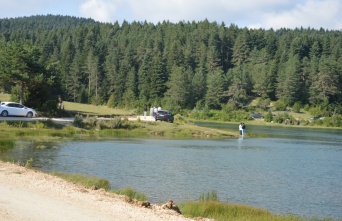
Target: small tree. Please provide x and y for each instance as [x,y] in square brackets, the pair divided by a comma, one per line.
[296,107]
[280,105]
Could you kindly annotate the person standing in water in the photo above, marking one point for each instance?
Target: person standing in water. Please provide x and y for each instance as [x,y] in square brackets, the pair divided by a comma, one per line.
[243,129]
[240,129]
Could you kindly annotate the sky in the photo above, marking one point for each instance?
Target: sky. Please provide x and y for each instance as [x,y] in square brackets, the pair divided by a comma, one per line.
[266,14]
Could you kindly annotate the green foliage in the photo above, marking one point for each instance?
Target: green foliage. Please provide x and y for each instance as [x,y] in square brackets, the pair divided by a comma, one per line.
[87,181]
[264,103]
[29,163]
[280,105]
[296,107]
[78,121]
[116,123]
[306,107]
[210,207]
[6,145]
[209,196]
[132,194]
[111,101]
[173,65]
[268,117]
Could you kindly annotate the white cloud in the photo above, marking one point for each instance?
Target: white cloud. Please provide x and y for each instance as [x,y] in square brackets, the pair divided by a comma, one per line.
[244,13]
[100,10]
[313,13]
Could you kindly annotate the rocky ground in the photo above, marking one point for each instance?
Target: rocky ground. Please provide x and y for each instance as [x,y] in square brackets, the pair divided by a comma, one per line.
[29,195]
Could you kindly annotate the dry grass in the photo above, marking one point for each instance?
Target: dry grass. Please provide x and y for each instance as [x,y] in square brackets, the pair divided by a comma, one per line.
[5,97]
[89,109]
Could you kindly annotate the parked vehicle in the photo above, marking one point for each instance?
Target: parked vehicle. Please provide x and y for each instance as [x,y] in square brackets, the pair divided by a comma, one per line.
[164,115]
[257,116]
[15,109]
[314,118]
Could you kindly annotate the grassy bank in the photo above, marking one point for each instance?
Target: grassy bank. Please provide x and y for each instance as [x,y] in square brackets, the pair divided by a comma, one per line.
[93,129]
[100,183]
[208,205]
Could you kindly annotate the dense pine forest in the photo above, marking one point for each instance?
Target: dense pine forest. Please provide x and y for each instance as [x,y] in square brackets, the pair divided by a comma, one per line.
[188,65]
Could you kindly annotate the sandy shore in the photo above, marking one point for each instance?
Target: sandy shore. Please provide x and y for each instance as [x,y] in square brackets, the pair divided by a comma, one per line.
[29,195]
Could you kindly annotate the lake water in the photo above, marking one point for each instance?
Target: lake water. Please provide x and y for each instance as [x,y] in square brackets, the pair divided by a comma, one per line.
[294,171]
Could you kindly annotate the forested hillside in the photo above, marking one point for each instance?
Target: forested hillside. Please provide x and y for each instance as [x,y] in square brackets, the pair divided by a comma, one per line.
[183,65]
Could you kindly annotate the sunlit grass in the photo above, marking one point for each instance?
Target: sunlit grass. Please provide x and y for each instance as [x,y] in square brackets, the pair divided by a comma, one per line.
[209,206]
[5,97]
[87,181]
[99,183]
[129,192]
[89,109]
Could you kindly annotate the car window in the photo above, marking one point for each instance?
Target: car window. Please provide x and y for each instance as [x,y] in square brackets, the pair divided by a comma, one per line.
[19,105]
[11,105]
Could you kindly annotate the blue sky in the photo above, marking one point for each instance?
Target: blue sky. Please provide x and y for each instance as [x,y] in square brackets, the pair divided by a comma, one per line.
[244,13]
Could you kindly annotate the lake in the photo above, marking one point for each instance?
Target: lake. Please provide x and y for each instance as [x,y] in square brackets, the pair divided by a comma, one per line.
[294,171]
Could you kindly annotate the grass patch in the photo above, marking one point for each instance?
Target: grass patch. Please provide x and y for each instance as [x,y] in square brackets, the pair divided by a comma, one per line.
[89,109]
[131,194]
[99,183]
[5,97]
[87,181]
[6,145]
[209,206]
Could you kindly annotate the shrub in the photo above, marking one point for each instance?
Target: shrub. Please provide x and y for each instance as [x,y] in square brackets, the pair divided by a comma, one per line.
[264,104]
[90,121]
[296,107]
[116,123]
[268,117]
[78,121]
[280,105]
[111,101]
[306,107]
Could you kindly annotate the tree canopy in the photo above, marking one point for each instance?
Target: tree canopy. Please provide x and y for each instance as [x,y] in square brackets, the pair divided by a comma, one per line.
[179,65]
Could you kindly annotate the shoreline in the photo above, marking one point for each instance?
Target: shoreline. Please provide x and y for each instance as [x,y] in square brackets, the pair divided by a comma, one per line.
[28,194]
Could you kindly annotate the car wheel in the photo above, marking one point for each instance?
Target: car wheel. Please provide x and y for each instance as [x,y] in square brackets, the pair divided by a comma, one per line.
[4,113]
[29,114]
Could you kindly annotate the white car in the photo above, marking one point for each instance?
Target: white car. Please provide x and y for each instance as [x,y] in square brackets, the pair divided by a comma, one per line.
[16,109]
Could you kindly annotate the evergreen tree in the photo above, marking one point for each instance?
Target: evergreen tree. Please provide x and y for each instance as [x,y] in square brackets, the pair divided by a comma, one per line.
[215,89]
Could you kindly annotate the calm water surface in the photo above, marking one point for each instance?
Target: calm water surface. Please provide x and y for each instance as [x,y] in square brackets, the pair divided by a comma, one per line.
[297,171]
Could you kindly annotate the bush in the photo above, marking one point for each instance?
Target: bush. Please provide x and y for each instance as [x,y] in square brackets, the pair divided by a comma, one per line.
[306,107]
[78,121]
[268,117]
[116,123]
[280,105]
[296,107]
[264,104]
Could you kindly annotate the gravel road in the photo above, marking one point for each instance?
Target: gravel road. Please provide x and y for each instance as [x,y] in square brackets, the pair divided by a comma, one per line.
[29,195]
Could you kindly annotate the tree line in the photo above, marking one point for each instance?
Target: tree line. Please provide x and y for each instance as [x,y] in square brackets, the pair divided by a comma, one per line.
[182,65]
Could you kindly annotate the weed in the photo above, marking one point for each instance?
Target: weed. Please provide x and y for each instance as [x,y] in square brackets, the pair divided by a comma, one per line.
[29,163]
[87,181]
[131,194]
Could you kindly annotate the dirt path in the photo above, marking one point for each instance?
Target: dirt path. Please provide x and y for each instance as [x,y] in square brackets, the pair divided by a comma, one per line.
[29,195]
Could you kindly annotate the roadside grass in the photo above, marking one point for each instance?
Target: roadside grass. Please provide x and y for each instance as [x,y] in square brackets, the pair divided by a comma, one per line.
[89,109]
[87,181]
[131,193]
[209,206]
[99,183]
[5,97]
